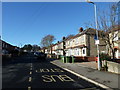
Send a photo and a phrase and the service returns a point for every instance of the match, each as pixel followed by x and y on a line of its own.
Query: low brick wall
pixel 91 58
pixel 85 59
pixel 113 67
pixel 118 61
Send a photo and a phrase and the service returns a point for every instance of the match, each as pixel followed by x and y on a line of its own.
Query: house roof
pixel 114 28
pixel 7 43
pixel 89 31
pixel 117 47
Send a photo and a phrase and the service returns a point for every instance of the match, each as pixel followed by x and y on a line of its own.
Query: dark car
pixel 40 55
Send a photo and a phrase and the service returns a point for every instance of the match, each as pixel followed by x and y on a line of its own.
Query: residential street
pixel 29 73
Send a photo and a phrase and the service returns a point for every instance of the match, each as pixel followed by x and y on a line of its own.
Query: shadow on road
pixel 27 58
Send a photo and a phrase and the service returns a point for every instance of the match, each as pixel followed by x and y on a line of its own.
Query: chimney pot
pixel 63 38
pixel 81 29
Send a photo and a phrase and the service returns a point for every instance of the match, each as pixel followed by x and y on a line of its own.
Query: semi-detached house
pixel 83 45
pixel 59 47
pixel 116 38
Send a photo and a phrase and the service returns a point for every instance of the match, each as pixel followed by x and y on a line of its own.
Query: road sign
pixel 97 42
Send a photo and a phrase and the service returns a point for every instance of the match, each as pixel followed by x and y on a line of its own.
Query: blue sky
pixel 28 22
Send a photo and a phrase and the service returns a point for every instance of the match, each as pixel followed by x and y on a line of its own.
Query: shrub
pixel 104 56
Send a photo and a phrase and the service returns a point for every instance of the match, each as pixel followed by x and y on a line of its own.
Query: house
pixel 83 45
pixel 115 34
pixel 6 47
pixel 59 48
pixel 55 49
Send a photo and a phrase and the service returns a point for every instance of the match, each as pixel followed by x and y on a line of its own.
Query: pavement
pixel 89 72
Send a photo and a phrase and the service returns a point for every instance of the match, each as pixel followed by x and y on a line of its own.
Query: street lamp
pixel 97 41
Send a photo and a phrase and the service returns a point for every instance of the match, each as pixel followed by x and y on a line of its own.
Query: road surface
pixel 29 73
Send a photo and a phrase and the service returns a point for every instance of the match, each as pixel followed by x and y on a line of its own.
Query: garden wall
pixel 113 67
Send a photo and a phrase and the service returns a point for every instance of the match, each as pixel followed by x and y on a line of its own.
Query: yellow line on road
pixel 29 88
pixel 30 79
pixel 36 71
pixel 30 72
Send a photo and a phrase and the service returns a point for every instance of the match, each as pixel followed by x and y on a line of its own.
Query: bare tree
pixel 35 48
pixel 47 40
pixel 108 22
pixel 27 47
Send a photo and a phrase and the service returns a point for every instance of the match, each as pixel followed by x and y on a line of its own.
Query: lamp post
pixel 97 41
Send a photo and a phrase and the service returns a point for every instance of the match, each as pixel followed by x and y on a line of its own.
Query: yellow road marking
pixel 30 72
pixel 52 78
pixel 29 88
pixel 30 79
pixel 36 71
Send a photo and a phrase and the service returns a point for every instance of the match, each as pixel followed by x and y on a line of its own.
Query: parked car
pixel 40 55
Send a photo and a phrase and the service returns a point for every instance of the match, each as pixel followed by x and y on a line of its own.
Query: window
pixel 76 41
pixel 3 45
pixel 118 38
pixel 83 51
pixel 68 43
pixel 6 46
pixel 78 51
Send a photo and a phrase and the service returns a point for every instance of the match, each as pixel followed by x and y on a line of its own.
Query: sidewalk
pixel 88 71
pixel 92 64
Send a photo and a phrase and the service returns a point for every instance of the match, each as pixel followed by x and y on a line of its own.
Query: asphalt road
pixel 29 73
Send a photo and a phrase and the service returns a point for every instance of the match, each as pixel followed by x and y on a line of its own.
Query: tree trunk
pixel 113 55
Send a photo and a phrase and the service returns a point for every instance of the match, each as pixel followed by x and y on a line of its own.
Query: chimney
pixel 63 38
pixel 58 42
pixel 80 30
